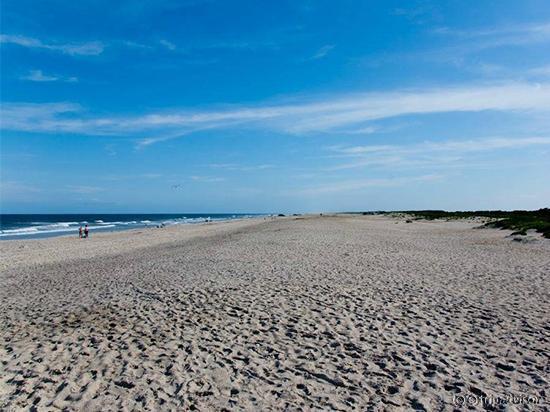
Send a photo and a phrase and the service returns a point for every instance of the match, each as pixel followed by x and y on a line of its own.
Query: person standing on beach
pixel 80 232
pixel 86 231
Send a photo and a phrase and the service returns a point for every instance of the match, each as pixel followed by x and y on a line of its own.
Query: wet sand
pixel 338 312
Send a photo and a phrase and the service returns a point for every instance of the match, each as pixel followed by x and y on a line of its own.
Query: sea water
pixel 24 226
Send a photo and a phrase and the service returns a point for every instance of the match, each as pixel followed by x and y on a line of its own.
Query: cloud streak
pixel 322 52
pixel 241 168
pixel 498 37
pixel 39 76
pixel 542 71
pixel 360 184
pixel 474 41
pixel 207 179
pixel 432 154
pixel 169 45
pixel 84 190
pixel 73 49
pixel 462 44
pixel 309 116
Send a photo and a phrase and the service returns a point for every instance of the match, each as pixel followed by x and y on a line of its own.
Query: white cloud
pixel 207 179
pixel 480 39
pixel 83 49
pixel 136 45
pixel 12 188
pixel 431 154
pixel 169 45
pixel 304 117
pixel 461 44
pixel 543 71
pixel 362 130
pixel 236 45
pixel 418 13
pixel 240 168
pixel 84 190
pixel 456 145
pixel 359 184
pixel 513 33
pixel 322 52
pixel 19 116
pixel 135 177
pixel 39 76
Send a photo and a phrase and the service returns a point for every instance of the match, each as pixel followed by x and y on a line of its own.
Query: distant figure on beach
pixel 86 231
pixel 80 232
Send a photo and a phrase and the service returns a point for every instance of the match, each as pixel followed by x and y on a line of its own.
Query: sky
pixel 274 106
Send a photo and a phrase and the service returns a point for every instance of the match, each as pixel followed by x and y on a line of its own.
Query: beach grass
pixel 518 220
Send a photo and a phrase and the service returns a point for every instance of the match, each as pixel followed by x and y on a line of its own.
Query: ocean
pixel 25 226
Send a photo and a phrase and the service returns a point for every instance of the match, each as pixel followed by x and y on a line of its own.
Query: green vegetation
pixel 518 220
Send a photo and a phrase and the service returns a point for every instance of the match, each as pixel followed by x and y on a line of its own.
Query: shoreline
pixel 51 229
pixel 109 230
pixel 67 247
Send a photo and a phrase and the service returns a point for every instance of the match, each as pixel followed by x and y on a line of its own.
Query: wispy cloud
pixel 241 168
pixel 513 33
pixel 11 187
pixel 241 45
pixel 361 130
pixel 419 13
pixel 460 45
pixel 163 136
pixel 83 49
pixel 479 39
pixel 16 116
pixel 304 117
pixel 322 52
pixel 543 71
pixel 188 49
pixel 427 154
pixel 137 45
pixel 207 179
pixel 454 145
pixel 39 76
pixel 360 184
pixel 169 45
pixel 84 190
pixel 136 177
pixel 110 149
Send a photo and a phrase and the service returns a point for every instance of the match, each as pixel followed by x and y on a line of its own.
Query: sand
pixel 333 313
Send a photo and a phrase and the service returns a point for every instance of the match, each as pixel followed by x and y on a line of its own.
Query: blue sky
pixel 257 106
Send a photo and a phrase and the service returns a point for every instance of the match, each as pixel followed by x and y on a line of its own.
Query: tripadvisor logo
pixel 491 400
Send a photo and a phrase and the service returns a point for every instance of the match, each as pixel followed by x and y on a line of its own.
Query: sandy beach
pixel 296 313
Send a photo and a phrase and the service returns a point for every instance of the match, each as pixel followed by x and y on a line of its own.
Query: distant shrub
pixel 518 220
